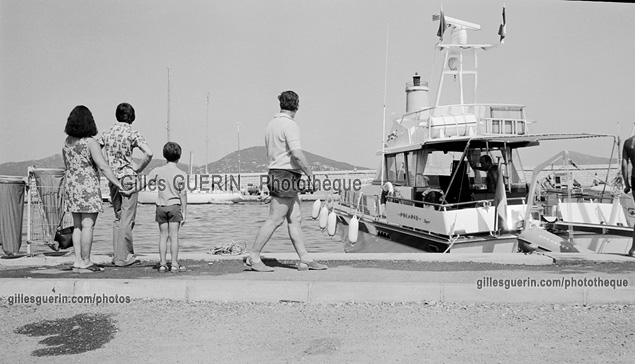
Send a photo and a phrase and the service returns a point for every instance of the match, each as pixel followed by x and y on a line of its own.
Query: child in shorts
pixel 171 208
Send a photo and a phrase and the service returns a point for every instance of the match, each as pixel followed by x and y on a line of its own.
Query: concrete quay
pixel 580 279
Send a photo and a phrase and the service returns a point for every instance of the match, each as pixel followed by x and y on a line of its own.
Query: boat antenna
pixel 207 134
pixel 383 129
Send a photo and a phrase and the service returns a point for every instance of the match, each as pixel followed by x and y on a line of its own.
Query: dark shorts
pixel 283 183
pixel 170 213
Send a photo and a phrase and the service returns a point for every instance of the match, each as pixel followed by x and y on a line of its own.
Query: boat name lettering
pixel 410 216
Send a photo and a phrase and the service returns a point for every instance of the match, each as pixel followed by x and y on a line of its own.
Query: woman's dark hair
pixel 125 113
pixel 289 100
pixel 80 123
pixel 172 151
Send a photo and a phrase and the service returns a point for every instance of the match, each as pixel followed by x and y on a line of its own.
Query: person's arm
pixel 299 157
pixel 292 136
pixel 98 158
pixel 147 157
pixel 183 196
pixel 625 159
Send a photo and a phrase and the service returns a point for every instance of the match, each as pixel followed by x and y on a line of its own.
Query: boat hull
pixel 375 237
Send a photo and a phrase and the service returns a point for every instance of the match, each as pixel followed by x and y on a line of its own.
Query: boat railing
pixel 367 204
pixel 452 206
pixel 465 120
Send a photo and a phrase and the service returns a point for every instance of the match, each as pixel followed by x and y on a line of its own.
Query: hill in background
pixel 253 159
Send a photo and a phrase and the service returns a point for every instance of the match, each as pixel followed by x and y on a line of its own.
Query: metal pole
pixel 168 122
pixel 238 129
pixel 207 135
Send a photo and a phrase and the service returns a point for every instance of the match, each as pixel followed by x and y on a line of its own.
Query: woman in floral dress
pixel 83 160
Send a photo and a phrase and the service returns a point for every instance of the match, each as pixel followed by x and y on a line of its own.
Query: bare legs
pixel 281 209
pixel 169 230
pixel 83 238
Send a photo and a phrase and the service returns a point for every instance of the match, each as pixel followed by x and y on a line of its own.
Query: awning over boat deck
pixel 458 144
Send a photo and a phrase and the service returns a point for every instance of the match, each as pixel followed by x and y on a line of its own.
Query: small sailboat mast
pixel 207 133
pixel 168 120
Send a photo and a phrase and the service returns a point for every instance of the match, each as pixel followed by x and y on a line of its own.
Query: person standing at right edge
pixel 628 155
pixel 286 164
pixel 118 143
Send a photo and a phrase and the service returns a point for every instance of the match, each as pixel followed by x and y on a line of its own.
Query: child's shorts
pixel 170 213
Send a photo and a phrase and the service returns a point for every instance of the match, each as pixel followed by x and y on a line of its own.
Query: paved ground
pixel 554 278
pixel 363 309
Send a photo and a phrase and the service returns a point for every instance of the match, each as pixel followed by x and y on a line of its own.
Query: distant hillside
pixel 252 160
pixel 585 159
pixel 56 161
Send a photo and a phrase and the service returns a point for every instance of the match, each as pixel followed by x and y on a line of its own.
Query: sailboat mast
pixel 238 130
pixel 207 133
pixel 168 121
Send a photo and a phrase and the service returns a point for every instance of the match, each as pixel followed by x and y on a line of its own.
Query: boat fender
pixel 323 216
pixel 315 211
pixel 331 223
pixel 353 229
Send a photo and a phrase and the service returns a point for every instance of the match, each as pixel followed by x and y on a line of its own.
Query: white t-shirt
pixel 282 135
pixel 169 181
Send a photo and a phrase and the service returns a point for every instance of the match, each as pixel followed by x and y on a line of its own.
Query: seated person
pixel 491 169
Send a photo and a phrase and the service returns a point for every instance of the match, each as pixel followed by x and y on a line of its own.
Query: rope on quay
pixel 231 248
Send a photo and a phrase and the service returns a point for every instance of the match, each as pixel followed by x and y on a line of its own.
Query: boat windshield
pixel 429 168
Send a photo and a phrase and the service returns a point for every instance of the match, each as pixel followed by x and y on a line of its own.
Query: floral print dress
pixel 81 179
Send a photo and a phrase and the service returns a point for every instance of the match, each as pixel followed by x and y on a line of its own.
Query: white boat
pixel 430 196
pixel 196 197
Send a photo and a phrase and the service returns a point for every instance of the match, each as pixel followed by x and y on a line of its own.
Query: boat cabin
pixel 455 171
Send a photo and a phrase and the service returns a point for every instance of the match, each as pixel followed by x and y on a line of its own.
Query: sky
pixel 569 62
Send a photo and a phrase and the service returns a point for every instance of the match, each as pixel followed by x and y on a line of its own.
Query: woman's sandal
pixel 178 268
pixel 163 268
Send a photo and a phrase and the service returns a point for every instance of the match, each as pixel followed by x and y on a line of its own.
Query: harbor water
pixel 207 226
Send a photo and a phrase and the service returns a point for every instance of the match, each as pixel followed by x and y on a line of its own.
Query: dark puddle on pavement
pixel 74 335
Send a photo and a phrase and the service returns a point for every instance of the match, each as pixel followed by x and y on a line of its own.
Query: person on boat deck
pixel 171 205
pixel 628 155
pixel 117 145
pixel 286 164
pixel 492 172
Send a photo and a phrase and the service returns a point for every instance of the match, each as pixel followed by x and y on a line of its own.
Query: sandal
pixel 163 268
pixel 311 265
pixel 90 269
pixel 178 268
pixel 256 266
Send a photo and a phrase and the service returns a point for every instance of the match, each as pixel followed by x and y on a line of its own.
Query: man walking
pixel 118 143
pixel 286 164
